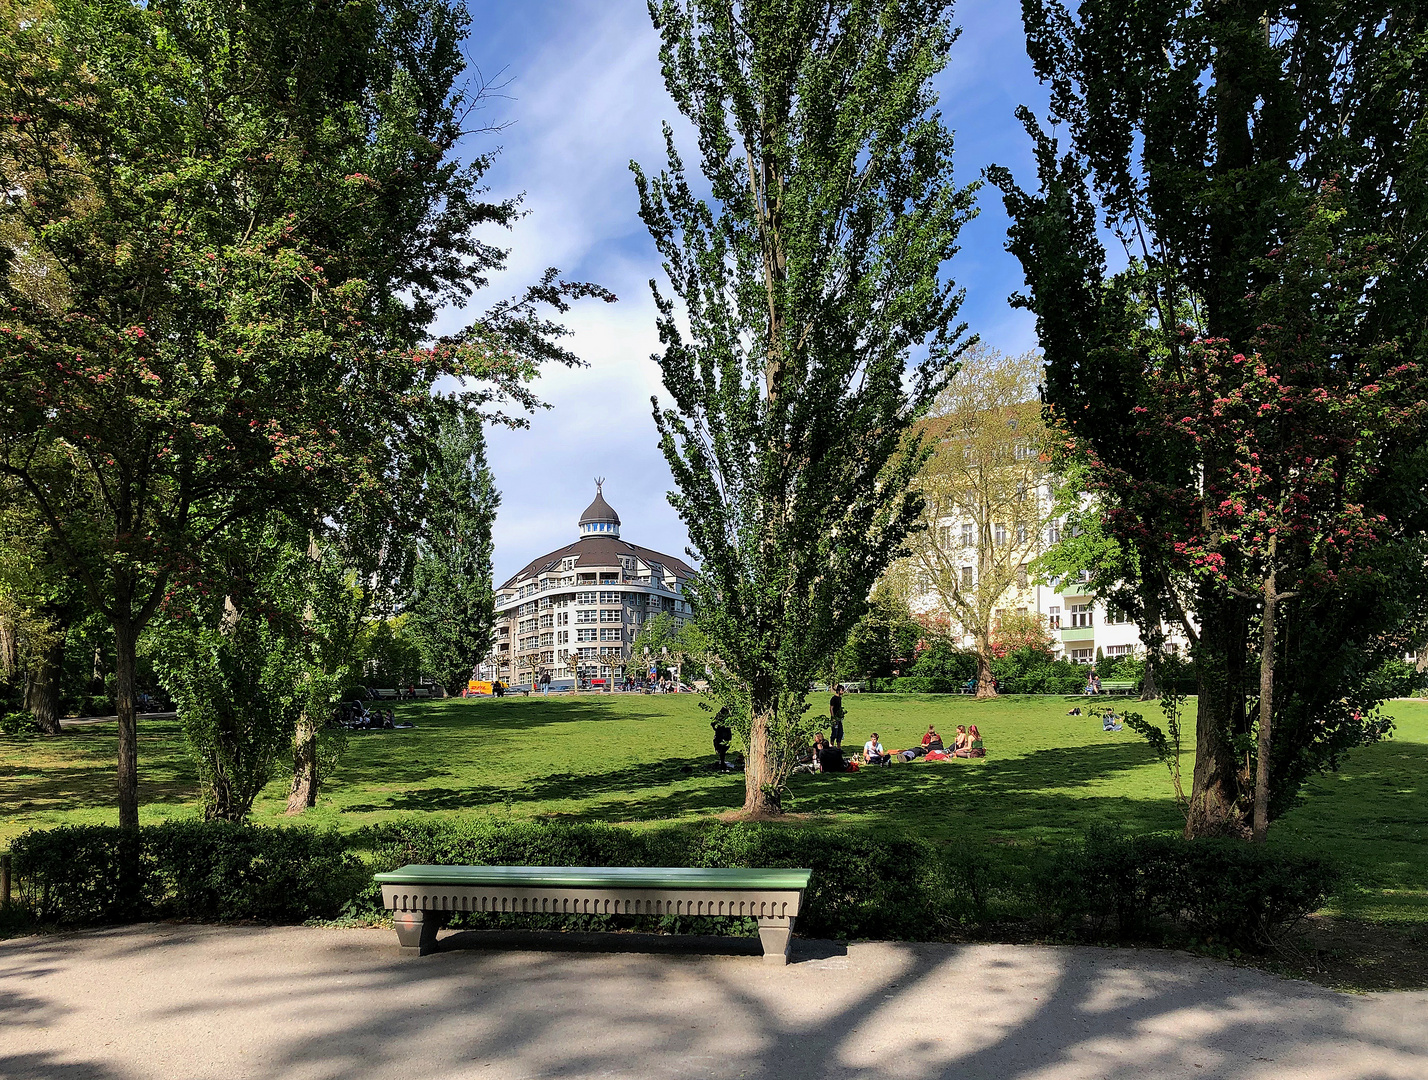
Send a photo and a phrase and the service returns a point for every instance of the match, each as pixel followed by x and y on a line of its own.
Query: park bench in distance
pixel 421 896
pixel 1118 686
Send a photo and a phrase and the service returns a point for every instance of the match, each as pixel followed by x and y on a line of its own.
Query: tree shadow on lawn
pixel 554 787
pixel 519 714
pixel 993 795
pixel 84 786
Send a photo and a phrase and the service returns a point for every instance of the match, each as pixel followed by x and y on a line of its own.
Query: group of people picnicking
pixel 827 753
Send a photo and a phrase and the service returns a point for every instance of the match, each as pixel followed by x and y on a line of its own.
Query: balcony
pixel 1078 633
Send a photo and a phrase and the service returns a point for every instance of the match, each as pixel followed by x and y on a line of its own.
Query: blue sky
pixel 582 97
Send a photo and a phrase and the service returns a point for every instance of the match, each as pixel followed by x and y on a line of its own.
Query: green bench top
pixel 584 877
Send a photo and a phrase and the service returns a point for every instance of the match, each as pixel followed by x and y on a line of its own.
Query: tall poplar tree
pixel 452 605
pixel 806 282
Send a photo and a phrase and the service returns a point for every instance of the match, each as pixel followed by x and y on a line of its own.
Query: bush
pixel 91 874
pixel 864 885
pixel 1164 888
pixel 1029 670
pixel 943 660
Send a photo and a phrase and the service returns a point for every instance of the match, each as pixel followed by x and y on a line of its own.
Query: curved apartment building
pixel 590 596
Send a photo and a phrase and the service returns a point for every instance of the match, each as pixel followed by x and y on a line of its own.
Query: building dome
pixel 599 518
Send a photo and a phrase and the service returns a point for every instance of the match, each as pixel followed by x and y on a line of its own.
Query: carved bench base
pixel 419 910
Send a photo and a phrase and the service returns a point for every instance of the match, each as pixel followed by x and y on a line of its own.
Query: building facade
pixel 1079 622
pixel 590 597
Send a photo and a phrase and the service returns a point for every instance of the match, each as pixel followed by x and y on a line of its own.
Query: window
pixel 924 584
pixel 1023 452
pixel 613 633
pixel 568 564
pixel 944 536
pixel 563 619
pixel 1083 656
pixel 1115 616
pixel 610 616
pixel 1021 576
pixel 999 534
pixel 547 639
pixel 1080 614
pixel 586 635
pixel 1120 650
pixel 1021 535
pixel 609 598
pixel 587 616
pixel 966 577
pixel 1053 617
pixel 1053 534
pixel 967 534
pixel 547 621
pixel 563 637
pixel 587 598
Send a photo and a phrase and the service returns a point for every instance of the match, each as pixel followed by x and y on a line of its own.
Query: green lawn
pixel 642 759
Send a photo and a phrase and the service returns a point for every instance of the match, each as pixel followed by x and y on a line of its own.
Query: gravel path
pixel 193 1002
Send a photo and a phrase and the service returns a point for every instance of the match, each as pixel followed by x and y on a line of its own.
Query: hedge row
pixel 1158 889
pixel 81 875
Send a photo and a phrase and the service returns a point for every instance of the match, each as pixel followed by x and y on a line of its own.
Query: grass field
pixel 642 759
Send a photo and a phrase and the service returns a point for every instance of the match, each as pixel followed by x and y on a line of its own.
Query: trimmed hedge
pixel 1165 888
pixel 865 884
pixel 92 874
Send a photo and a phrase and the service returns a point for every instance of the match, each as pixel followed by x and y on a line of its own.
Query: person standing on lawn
pixel 835 716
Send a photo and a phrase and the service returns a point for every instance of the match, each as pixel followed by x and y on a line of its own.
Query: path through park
pixel 193 1002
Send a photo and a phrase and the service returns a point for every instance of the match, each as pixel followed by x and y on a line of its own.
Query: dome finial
pixel 599 484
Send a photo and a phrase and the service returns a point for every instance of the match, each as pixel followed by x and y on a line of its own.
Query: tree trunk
pixel 986 681
pixel 42 690
pixel 1266 706
pixel 9 649
pixel 126 640
pixel 303 792
pixel 761 797
pixel 1214 794
pixel 1154 639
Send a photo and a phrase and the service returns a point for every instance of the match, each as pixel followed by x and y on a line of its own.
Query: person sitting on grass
pixel 873 752
pixel 932 740
pixel 1109 722
pixel 973 747
pixel 830 758
pixel 960 742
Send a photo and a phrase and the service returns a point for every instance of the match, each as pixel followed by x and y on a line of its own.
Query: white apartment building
pixel 1078 621
pixel 590 597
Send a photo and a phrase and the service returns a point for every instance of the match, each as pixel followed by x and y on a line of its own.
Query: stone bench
pixel 420 897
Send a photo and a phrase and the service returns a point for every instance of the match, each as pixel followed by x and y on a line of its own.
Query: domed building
pixel 590 596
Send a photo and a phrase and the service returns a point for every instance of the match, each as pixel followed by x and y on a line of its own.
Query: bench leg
pixel 416 930
pixel 774 934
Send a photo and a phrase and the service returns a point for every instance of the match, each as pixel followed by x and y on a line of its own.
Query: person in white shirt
pixel 873 752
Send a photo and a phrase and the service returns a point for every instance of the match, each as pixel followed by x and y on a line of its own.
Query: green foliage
pixel 94 874
pixel 1031 670
pixel 884 638
pixel 238 223
pixel 234 665
pixel 391 656
pixel 1244 397
pixel 1167 888
pixel 803 290
pixel 943 660
pixel 452 614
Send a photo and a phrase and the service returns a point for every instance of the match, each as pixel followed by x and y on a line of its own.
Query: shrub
pixel 89 874
pixel 1034 671
pixel 864 884
pixel 1158 887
